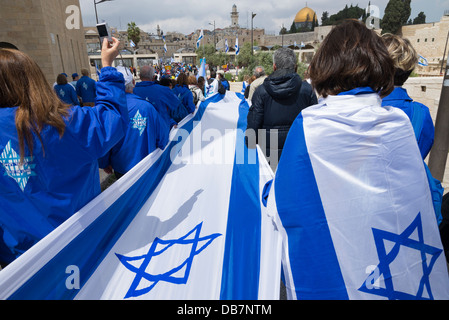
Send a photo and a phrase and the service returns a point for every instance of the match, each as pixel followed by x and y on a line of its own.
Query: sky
pixel 186 16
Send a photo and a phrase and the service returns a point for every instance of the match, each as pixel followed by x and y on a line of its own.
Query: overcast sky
pixel 186 16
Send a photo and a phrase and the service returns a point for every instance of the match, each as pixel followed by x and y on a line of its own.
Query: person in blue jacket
pixel 185 97
pixel 405 59
pixel 86 89
pixel 49 151
pixel 65 91
pixel 146 132
pixel 162 98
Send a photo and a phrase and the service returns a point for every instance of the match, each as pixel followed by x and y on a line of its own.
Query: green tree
pixel 134 33
pixel 420 19
pixel 324 18
pixel 396 15
pixel 208 51
pixel 352 12
pixel 293 28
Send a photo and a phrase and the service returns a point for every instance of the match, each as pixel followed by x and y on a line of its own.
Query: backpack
pixel 436 188
pixel 195 96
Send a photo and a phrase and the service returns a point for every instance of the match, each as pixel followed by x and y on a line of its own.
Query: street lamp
pixel 215 47
pixel 95 5
pixel 252 40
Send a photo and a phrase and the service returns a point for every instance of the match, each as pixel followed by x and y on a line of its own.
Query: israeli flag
pixel 422 61
pixel 198 42
pixel 355 207
pixel 97 69
pixel 132 44
pixel 202 69
pixel 165 44
pixel 237 48
pixel 226 46
pixel 185 223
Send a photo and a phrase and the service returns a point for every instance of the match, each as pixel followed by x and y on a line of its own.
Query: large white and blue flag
pixel 198 42
pixel 185 223
pixel 355 207
pixel 226 46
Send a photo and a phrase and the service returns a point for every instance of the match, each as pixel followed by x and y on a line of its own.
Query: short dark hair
pixel 352 56
pixel 61 79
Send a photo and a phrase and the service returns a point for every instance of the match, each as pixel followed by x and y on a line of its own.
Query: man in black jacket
pixel 276 104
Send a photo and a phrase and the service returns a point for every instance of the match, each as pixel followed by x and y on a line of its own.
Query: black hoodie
pixel 275 105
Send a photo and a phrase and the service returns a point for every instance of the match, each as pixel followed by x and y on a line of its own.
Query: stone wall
pixel 38 28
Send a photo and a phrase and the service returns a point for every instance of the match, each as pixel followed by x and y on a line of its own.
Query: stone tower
pixel 234 17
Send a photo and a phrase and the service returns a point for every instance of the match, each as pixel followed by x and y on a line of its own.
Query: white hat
pixel 127 74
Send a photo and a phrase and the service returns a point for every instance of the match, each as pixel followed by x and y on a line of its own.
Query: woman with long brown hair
pixel 49 150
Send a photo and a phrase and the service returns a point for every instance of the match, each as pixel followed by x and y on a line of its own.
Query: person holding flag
pixel 48 163
pixel 351 189
pixel 146 132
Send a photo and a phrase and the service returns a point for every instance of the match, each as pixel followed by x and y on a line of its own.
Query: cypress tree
pixel 396 15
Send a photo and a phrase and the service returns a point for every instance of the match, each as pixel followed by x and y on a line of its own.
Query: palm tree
pixel 134 33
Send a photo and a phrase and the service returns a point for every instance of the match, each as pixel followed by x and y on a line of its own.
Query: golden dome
pixel 301 16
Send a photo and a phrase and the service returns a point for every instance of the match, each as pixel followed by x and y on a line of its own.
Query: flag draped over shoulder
pixel 355 207
pixel 185 223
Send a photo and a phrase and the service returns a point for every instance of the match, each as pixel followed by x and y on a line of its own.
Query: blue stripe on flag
pixel 91 246
pixel 243 244
pixel 314 265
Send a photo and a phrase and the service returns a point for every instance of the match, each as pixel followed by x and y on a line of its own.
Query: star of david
pixel 19 172
pixel 429 256
pixel 139 122
pixel 85 86
pixel 62 93
pixel 191 240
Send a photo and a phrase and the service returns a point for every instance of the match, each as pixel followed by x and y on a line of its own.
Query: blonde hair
pixel 404 56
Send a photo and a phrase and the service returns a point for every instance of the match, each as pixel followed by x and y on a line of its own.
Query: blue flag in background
pixel 198 42
pixel 237 48
pixel 202 70
pixel 422 61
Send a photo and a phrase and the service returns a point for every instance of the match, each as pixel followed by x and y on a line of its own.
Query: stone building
pixel 430 41
pixel 50 31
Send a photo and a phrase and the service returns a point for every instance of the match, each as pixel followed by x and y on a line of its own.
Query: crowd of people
pixel 54 140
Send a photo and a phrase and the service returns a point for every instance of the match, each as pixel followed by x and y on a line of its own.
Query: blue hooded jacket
pixel 185 96
pixel 60 179
pixel 400 99
pixel 162 98
pixel 67 94
pixel 86 88
pixel 146 132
